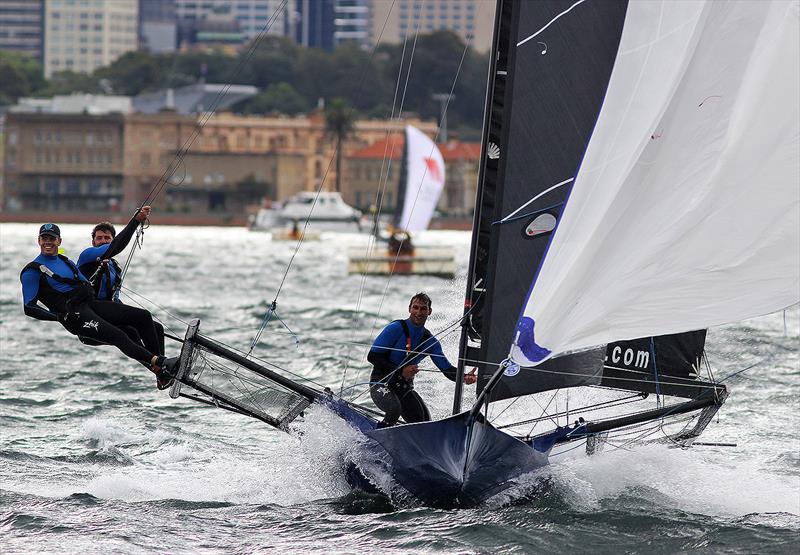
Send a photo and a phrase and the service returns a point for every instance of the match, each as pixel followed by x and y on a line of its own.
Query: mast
pixel 487 179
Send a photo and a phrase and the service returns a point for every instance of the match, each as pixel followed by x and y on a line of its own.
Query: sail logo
pixel 433 169
pixel 91 324
pixel 630 357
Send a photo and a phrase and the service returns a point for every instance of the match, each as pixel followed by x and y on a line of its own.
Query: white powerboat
pixel 325 211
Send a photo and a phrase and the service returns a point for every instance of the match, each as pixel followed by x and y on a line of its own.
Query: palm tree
pixel 339 124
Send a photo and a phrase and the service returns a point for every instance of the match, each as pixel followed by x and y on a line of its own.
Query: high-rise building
pixel 252 16
pixel 83 35
pixel 328 24
pixel 21 26
pixel 351 22
pixel 157 25
pixel 392 21
pixel 312 22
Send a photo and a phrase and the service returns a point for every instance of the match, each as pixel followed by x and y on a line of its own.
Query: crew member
pixel 55 281
pixel 395 356
pixel 98 264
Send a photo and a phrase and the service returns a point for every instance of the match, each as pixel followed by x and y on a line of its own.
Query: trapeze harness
pixel 105 272
pixel 396 381
pixel 54 300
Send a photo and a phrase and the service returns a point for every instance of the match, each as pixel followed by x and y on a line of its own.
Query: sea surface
pixel 93 459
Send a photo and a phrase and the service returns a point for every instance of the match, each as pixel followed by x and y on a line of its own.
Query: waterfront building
pixel 105 156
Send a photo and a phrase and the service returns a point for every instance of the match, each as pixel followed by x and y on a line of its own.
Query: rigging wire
pixel 425 171
pixel 178 159
pixel 321 185
pixel 380 194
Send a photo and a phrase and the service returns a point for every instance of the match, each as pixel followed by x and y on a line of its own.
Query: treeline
pixel 291 78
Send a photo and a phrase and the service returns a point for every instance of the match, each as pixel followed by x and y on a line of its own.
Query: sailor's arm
pixel 124 237
pixel 441 362
pixel 30 289
pixel 35 311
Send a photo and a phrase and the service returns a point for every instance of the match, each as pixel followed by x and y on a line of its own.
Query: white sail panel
pixel 424 180
pixel 686 210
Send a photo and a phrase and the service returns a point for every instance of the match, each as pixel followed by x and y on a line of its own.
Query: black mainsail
pixel 539 121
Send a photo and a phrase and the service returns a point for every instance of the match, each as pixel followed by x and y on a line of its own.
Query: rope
pixel 324 178
pixel 178 159
pixel 655 370
pixel 380 193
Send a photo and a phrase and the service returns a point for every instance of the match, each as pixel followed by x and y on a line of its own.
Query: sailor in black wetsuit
pixel 56 282
pixel 394 356
pixel 97 263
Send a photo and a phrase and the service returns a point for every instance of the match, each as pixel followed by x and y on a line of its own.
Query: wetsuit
pixel 69 299
pixel 399 344
pixel 108 279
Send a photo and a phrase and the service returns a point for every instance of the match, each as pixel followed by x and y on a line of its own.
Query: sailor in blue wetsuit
pixel 395 356
pixel 98 264
pixel 55 281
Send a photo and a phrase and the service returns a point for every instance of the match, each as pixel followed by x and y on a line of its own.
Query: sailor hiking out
pixel 104 272
pixel 395 356
pixel 68 298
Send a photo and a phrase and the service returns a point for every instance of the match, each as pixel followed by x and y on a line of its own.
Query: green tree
pixel 280 97
pixel 69 82
pixel 20 75
pixel 134 72
pixel 339 125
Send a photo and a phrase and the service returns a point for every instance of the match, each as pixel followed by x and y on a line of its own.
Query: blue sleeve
pixel 30 286
pixel 91 255
pixel 437 355
pixel 387 339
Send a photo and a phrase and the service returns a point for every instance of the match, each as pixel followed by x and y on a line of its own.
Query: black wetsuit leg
pixel 120 314
pixel 388 401
pixel 414 408
pixel 85 322
pixel 159 336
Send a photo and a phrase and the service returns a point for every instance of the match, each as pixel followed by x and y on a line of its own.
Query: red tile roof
pixel 392 148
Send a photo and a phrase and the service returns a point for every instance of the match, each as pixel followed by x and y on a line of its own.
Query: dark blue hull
pixel 454 462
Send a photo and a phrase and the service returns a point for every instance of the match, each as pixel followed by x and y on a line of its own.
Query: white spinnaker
pixel 686 210
pixel 424 180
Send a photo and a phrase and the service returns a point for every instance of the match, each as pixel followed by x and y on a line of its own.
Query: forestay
pixel 684 213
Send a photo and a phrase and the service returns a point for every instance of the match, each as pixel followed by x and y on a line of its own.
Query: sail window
pixel 544 223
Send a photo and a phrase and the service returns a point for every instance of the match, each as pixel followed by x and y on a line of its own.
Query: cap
pixel 50 229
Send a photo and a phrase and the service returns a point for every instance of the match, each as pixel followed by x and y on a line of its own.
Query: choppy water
pixel 94 459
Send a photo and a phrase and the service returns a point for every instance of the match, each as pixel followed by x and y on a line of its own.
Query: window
pixel 73 187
